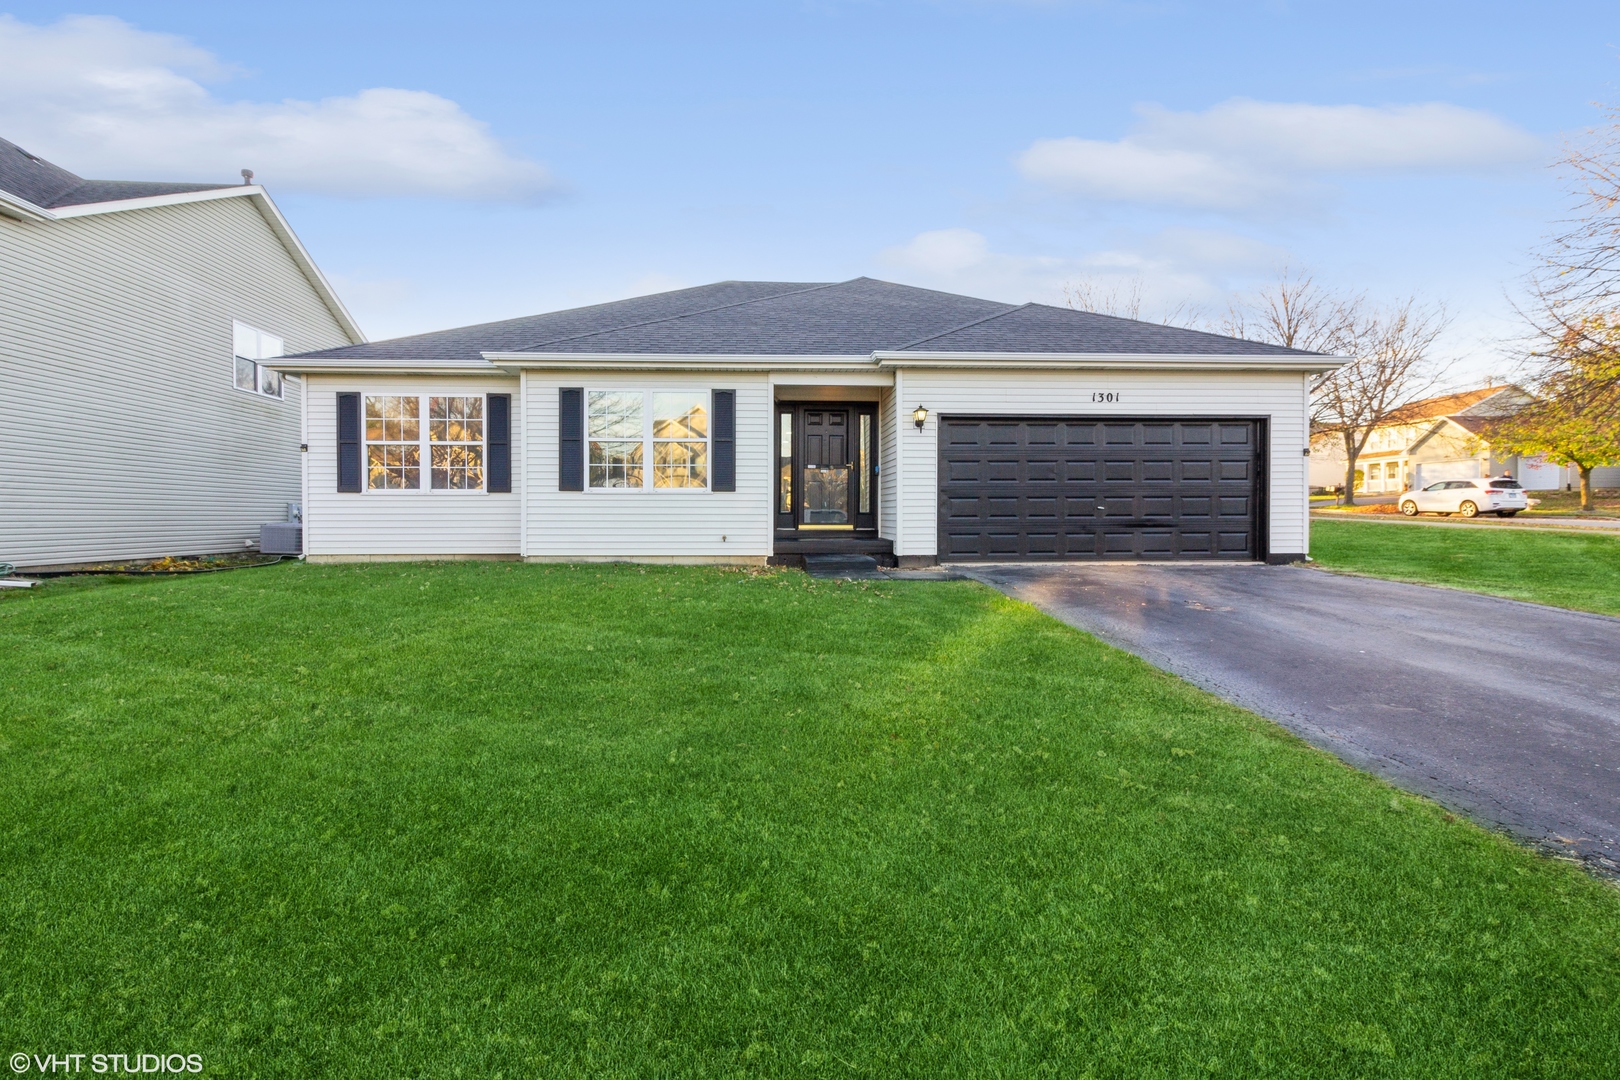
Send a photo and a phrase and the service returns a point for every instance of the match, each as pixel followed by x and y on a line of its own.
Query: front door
pixel 826 467
pixel 826 471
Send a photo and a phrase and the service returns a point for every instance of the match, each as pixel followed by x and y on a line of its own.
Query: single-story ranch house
pixel 755 421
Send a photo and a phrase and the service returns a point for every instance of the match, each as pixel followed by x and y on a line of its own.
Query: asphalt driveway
pixel 1508 712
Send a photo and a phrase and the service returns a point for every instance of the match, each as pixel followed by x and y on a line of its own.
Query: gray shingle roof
pixel 775 318
pixel 50 186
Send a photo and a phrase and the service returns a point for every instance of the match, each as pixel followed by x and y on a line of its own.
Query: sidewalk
pixel 1546 524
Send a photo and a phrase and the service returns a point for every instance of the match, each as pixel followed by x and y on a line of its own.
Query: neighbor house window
pixel 451 442
pixel 251 346
pixel 627 429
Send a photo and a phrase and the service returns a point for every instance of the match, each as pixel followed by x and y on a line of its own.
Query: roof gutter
pixel 21 209
pixel 1083 361
pixel 519 361
pixel 888 360
pixel 292 365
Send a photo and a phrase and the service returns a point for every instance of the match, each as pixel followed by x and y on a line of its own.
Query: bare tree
pixel 1390 368
pixel 1580 270
pixel 1390 365
pixel 1124 301
pixel 1090 295
pixel 1574 352
pixel 1296 313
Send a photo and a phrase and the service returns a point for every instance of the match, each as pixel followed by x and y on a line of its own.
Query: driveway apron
pixel 1506 711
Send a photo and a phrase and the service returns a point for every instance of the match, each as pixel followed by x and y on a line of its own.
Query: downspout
pixel 1305 497
pixel 304 389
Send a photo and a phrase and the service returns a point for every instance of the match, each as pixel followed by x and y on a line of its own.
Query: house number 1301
pixel 1104 397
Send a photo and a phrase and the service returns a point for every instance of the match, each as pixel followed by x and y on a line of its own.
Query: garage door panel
pixel 1117 470
pixel 1162 506
pixel 1197 542
pixel 1074 471
pixel 1197 471
pixel 1158 471
pixel 1077 489
pixel 1077 434
pixel 1039 509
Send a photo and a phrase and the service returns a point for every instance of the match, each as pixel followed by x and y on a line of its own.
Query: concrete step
pixel 842 566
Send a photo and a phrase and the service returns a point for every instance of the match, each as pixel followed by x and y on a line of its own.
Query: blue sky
pixel 458 163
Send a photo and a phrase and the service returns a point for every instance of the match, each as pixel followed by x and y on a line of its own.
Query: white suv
pixel 1499 495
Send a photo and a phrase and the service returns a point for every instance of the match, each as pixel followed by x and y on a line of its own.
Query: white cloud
pixel 1171 270
pixel 103 98
pixel 1245 153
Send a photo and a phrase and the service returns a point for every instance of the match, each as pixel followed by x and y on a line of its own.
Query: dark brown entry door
pixel 826 472
pixel 827 466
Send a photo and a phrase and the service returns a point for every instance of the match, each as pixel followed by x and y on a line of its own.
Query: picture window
pixel 398 441
pixel 629 429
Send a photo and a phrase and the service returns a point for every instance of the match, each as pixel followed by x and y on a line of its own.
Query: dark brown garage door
pixel 1037 488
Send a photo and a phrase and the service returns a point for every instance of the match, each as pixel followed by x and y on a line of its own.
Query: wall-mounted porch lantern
pixel 920 416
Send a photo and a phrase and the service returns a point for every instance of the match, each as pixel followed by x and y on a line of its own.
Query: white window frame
pixel 647 486
pixel 424 445
pixel 250 345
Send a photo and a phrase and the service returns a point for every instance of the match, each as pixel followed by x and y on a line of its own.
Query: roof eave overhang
pixel 21 209
pixel 514 362
pixel 520 361
pixel 1082 361
pixel 883 359
pixel 296 366
pixel 24 210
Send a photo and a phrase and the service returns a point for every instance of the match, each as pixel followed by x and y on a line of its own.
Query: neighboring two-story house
pixel 1441 438
pixel 134 321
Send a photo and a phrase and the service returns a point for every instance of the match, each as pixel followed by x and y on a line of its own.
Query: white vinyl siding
pixel 116 342
pixel 888 461
pixel 410 523
pixel 963 392
pixel 651 523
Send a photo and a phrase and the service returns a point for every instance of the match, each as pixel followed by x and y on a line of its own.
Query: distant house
pixel 135 322
pixel 1441 438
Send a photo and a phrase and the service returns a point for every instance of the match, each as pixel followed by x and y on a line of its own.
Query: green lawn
pixel 492 820
pixel 1569 569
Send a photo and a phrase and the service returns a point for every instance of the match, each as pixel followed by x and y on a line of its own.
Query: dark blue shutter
pixel 348 433
pixel 725 440
pixel 571 439
pixel 499 442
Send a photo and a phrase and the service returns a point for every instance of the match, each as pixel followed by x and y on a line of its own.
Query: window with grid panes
pixel 402 431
